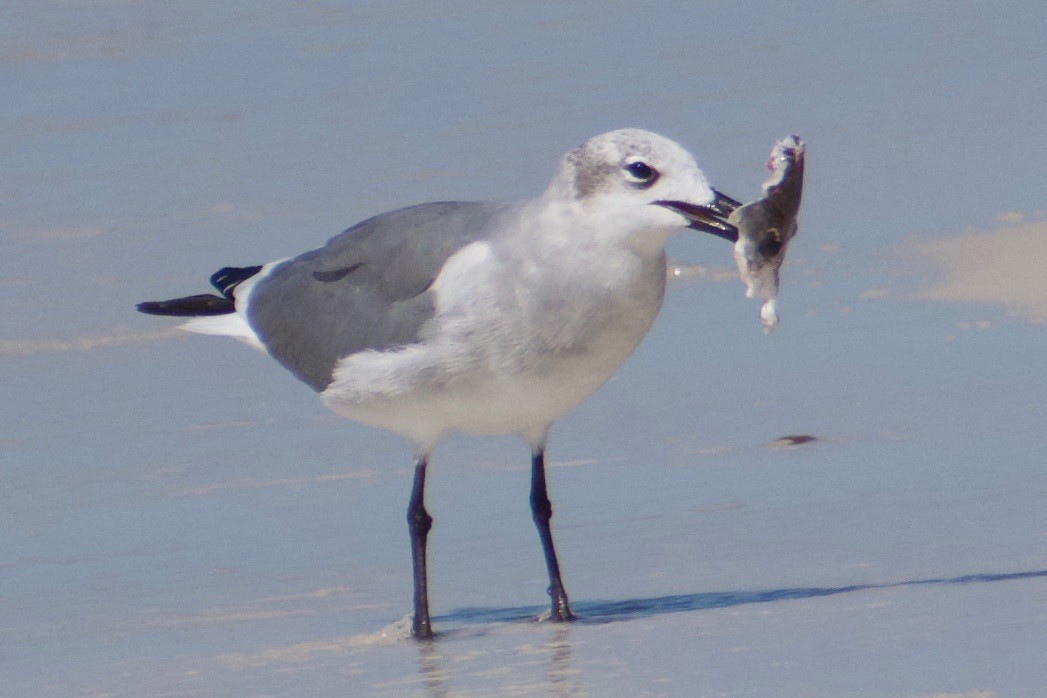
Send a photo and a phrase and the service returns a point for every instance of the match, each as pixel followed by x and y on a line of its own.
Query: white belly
pixel 512 361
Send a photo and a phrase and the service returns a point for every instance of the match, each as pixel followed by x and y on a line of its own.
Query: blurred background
pixel 180 516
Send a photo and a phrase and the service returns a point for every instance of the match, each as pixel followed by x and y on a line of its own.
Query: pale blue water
pixel 181 517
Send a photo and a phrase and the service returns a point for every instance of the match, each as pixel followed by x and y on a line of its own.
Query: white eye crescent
pixel 640 172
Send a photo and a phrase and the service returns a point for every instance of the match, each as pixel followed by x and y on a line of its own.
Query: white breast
pixel 517 341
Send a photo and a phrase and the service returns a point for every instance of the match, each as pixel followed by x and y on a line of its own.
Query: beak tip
pixel 707 219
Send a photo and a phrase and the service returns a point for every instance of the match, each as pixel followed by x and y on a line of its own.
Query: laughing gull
pixel 485 318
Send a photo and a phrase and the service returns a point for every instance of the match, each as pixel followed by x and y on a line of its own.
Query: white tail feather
pixel 231 325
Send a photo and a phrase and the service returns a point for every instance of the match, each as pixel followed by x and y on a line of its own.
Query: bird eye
pixel 641 172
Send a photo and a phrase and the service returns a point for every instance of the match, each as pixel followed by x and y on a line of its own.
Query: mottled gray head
pixel 639 178
pixel 628 161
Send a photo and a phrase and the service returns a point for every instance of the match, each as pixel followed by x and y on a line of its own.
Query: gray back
pixel 367 288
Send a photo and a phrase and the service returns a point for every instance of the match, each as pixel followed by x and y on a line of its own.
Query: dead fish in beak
pixel 766 225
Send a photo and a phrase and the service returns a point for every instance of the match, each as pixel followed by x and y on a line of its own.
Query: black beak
pixel 708 219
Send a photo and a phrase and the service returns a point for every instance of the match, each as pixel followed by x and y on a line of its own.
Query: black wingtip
pixel 227 279
pixel 190 306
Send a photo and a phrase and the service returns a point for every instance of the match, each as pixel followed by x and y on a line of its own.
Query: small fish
pixel 766 225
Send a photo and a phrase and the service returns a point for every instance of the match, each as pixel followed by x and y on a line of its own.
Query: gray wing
pixel 367 288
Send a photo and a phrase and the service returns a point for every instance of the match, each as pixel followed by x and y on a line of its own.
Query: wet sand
pixel 182 517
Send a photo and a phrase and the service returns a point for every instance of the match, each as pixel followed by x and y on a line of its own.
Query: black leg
pixel 418 523
pixel 542 509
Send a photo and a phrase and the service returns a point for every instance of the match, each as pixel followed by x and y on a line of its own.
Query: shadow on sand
pixel 612 611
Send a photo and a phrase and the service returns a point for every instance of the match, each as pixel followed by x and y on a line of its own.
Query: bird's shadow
pixel 598 612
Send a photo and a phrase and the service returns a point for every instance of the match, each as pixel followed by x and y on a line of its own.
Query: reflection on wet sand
pixel 434 677
pixel 561 676
pixel 1003 266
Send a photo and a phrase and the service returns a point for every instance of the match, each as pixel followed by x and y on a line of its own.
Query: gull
pixel 483 318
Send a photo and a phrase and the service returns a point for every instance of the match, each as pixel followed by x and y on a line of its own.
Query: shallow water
pixel 182 517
